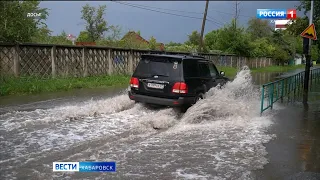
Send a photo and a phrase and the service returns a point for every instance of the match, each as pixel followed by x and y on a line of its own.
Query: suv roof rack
pixel 197 56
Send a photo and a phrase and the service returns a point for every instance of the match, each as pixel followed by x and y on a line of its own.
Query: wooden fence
pixel 45 60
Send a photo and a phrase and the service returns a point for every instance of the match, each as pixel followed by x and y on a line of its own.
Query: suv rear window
pixel 190 69
pixel 160 66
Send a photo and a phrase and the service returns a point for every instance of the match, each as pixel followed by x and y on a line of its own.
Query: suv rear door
pixel 215 74
pixel 157 75
pixel 205 74
pixel 191 76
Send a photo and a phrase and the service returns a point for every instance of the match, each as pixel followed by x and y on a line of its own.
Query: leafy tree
pixel 60 39
pixel 152 43
pixel 211 39
pixel 96 26
pixel 43 35
pixel 314 53
pixel 259 28
pixel 285 44
pixel 306 5
pixel 262 48
pixel 181 48
pixel 15 25
pixel 173 44
pixel 299 45
pixel 233 40
pixel 115 33
pixel 297 26
pixel 84 37
pixel 280 55
pixel 193 38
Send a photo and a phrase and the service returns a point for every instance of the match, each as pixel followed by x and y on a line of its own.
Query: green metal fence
pixel 278 90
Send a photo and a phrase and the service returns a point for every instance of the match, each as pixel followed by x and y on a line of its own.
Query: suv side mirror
pixel 222 73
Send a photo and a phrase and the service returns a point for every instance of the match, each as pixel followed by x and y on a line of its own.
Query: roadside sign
pixel 310 32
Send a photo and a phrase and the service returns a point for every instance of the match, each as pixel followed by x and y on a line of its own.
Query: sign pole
pixel 308 62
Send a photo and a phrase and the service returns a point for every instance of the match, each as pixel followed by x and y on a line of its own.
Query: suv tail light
pixel 134 82
pixel 180 87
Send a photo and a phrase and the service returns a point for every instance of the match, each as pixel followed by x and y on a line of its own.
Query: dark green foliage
pixel 15 25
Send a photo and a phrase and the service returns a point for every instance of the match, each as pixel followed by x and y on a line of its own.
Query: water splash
pixel 238 98
pixel 224 131
pixel 66 113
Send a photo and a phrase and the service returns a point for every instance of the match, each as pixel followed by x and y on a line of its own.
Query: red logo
pixel 291 14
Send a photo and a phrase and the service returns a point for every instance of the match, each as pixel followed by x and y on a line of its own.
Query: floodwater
pixel 52 99
pixel 295 152
pixel 220 137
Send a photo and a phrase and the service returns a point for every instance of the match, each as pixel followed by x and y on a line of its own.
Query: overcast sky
pixel 164 27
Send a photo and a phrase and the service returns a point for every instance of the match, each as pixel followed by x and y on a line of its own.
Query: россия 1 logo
pixel 276 13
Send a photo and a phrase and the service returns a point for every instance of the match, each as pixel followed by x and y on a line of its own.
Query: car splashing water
pixel 220 137
pixel 238 98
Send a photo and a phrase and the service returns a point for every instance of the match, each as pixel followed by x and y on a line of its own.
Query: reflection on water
pixel 295 153
pixel 264 77
pixel 310 130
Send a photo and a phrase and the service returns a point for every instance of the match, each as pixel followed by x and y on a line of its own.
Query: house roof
pixel 138 37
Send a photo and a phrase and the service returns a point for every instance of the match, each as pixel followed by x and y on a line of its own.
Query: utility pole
pixel 308 62
pixel 236 14
pixel 203 25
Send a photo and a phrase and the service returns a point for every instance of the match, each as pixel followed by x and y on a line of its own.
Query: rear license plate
pixel 155 86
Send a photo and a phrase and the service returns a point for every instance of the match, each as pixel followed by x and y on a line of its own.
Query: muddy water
pixel 53 99
pixel 264 77
pixel 295 152
pixel 221 137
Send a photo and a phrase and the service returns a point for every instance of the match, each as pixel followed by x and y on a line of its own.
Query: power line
pixel 174 14
pixel 230 13
pixel 237 14
pixel 192 12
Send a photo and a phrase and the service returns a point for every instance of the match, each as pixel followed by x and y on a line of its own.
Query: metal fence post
pixel 270 62
pixel 130 62
pixel 262 100
pixel 16 63
pixel 311 78
pixel 109 62
pixel 271 95
pixel 53 61
pixel 260 63
pixel 84 62
pixel 231 61
pixel 282 90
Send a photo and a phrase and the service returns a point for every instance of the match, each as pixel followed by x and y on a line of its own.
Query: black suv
pixel 173 80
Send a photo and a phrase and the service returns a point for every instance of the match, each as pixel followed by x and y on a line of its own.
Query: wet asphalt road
pixel 224 140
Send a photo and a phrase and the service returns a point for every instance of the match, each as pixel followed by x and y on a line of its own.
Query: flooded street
pixel 220 137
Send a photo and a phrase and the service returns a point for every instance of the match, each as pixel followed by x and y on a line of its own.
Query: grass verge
pixel 18 86
pixel 278 68
pixel 231 72
pixel 32 85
